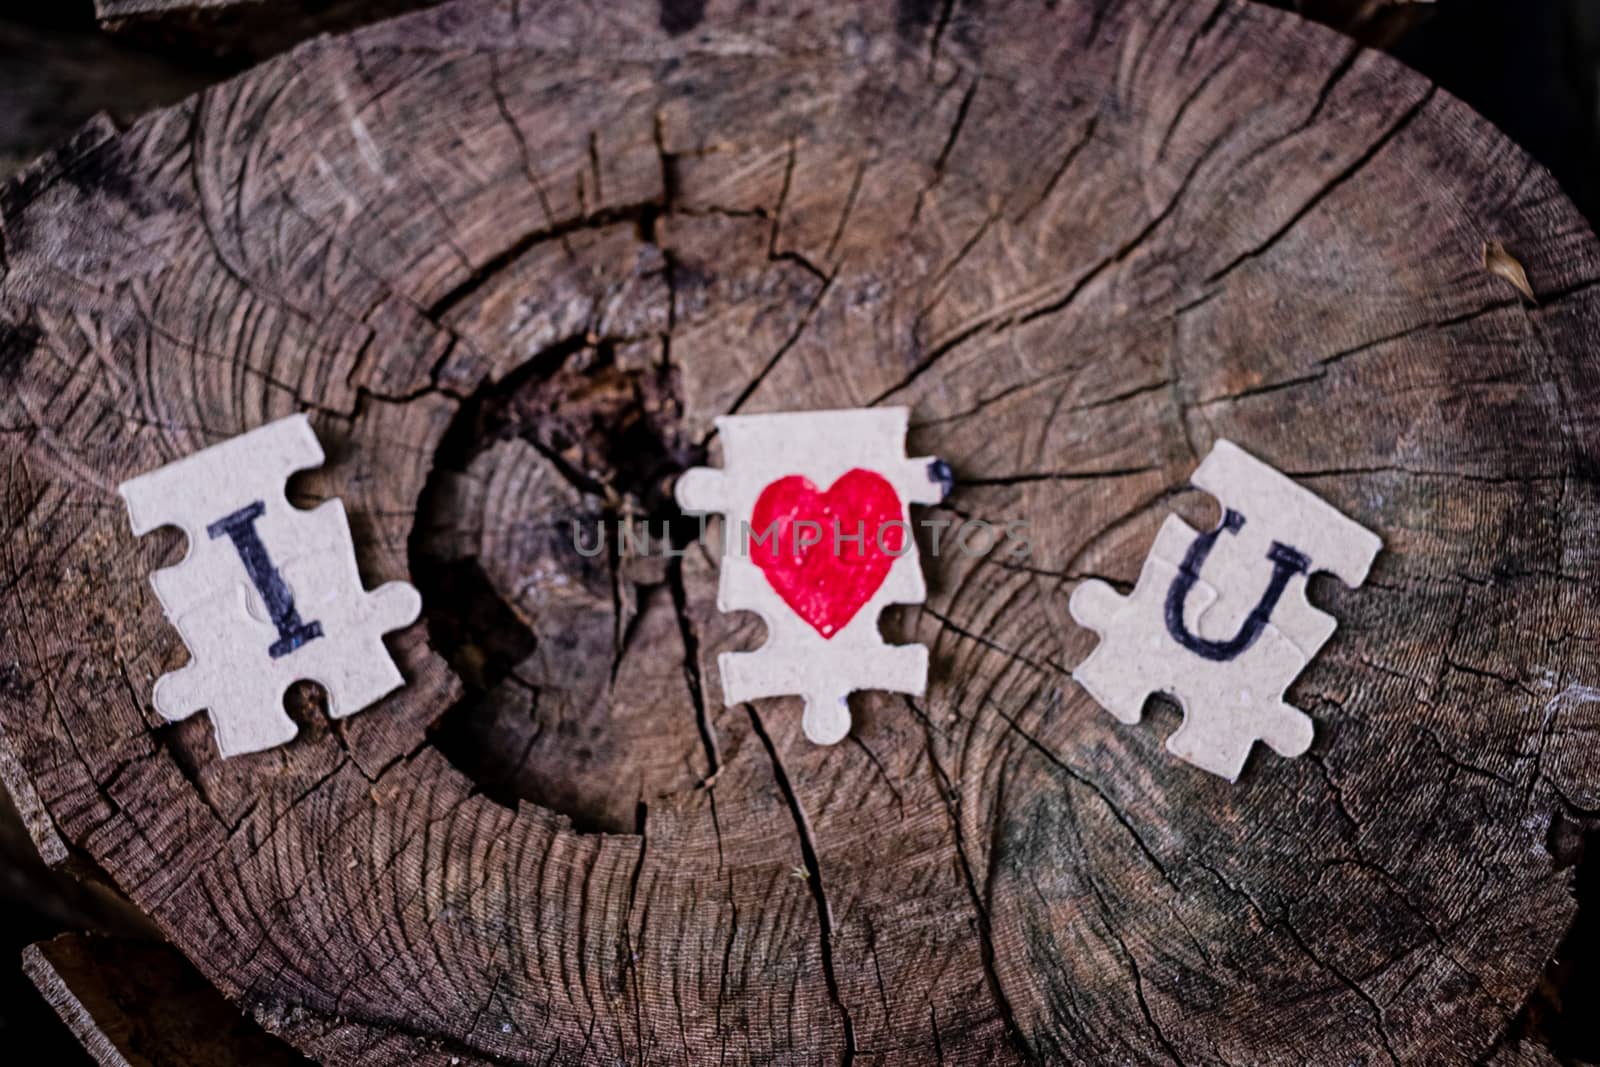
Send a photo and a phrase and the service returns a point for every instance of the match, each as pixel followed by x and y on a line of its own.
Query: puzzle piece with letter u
pixel 817 541
pixel 268 594
pixel 1220 620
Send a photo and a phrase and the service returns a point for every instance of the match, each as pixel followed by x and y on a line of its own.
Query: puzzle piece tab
pixel 1228 644
pixel 817 541
pixel 268 594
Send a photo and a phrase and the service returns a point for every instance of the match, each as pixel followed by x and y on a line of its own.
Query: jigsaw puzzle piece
pixel 1220 620
pixel 790 671
pixel 246 706
pixel 1223 718
pixel 348 660
pixel 267 595
pixel 702 491
pixel 241 476
pixel 246 699
pixel 759 449
pixel 352 665
pixel 821 615
pixel 1276 511
pixel 1279 507
pixel 1130 651
pixel 1129 644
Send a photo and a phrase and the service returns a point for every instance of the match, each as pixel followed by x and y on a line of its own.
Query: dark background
pixel 1530 66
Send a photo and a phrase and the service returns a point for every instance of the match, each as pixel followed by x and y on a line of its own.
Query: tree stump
pixel 515 259
pixel 139 1004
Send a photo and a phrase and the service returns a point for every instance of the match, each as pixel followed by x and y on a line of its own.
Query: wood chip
pixel 1496 260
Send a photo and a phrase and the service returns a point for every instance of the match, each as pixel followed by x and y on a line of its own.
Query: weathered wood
pixel 36 902
pixel 1375 22
pixel 141 1004
pixel 108 10
pixel 516 258
pixel 238 31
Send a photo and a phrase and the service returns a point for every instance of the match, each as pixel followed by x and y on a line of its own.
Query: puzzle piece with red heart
pixel 817 541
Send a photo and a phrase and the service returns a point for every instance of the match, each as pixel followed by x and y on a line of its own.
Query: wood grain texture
pixel 234 33
pixel 231 23
pixel 515 258
pixel 108 10
pixel 140 1004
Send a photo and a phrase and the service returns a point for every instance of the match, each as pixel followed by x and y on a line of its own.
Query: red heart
pixel 828 580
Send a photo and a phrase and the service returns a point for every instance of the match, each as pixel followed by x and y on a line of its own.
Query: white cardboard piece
pixel 798 657
pixel 1223 645
pixel 268 594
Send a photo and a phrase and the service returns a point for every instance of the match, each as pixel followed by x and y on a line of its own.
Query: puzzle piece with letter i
pixel 1220 621
pixel 268 594
pixel 817 541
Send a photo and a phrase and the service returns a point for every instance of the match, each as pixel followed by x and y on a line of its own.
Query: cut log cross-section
pixel 515 258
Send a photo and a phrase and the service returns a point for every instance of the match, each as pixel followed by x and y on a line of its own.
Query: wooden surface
pixel 235 32
pixel 516 259
pixel 139 1004
pixel 111 10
